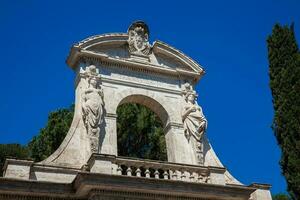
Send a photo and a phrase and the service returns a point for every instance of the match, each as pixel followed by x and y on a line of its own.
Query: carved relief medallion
pixel 138 42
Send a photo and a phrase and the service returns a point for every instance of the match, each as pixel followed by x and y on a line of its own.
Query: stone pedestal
pixel 108 135
pixel 262 192
pixel 177 145
pixel 217 175
pixel 102 164
pixel 17 168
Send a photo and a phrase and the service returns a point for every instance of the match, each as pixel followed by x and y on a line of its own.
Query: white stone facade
pixel 113 69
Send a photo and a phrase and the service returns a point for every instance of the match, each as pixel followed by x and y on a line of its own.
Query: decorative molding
pixel 170 125
pixel 83 49
pixel 28 197
pixel 137 77
pixel 17 162
pixel 104 59
pixel 111 115
pixel 260 186
pixel 151 186
pixel 132 84
pixel 111 194
pixel 122 38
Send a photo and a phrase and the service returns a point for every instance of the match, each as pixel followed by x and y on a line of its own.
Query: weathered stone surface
pixel 262 192
pixel 17 168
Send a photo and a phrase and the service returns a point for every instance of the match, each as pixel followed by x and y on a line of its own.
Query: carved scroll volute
pixel 92 105
pixel 194 121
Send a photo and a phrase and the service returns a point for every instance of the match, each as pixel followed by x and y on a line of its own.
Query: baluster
pixel 156 174
pixel 129 171
pixel 174 175
pixel 166 175
pixel 138 172
pixel 207 179
pixel 183 176
pixel 119 170
pixel 178 175
pixel 147 173
pixel 188 175
pixel 192 177
pixel 200 178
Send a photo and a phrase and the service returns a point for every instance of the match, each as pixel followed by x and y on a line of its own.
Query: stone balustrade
pixel 161 170
pixel 100 163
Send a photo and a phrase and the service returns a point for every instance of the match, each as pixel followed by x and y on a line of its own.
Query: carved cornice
pixel 28 197
pixel 111 115
pixel 120 185
pixel 82 50
pixel 104 59
pixel 27 188
pixel 260 186
pixel 101 39
pixel 165 48
pixel 88 184
pixel 140 85
pixel 99 194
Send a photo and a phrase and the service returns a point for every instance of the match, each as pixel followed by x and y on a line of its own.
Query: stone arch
pixel 152 104
pixel 144 97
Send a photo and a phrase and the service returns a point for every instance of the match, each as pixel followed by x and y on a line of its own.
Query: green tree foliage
pixel 280 197
pixel 12 151
pixel 52 135
pixel 140 133
pixel 284 71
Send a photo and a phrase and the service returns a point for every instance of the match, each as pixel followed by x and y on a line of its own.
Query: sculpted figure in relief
pixel 138 39
pixel 92 106
pixel 194 122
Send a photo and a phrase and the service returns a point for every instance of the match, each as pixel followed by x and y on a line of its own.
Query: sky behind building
pixel 228 38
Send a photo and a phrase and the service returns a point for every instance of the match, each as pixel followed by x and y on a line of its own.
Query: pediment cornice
pixel 176 64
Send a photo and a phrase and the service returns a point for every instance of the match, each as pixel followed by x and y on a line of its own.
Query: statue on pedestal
pixel 92 106
pixel 194 122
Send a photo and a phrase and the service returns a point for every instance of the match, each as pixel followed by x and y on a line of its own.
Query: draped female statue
pixel 92 107
pixel 194 123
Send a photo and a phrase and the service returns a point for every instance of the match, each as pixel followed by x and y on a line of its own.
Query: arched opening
pixel 140 130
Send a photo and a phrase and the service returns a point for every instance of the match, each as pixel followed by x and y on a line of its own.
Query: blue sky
pixel 228 38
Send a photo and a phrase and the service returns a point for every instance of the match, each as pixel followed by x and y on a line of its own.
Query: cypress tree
pixel 284 72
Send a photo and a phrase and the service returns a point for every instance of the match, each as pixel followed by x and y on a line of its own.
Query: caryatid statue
pixel 92 106
pixel 194 122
